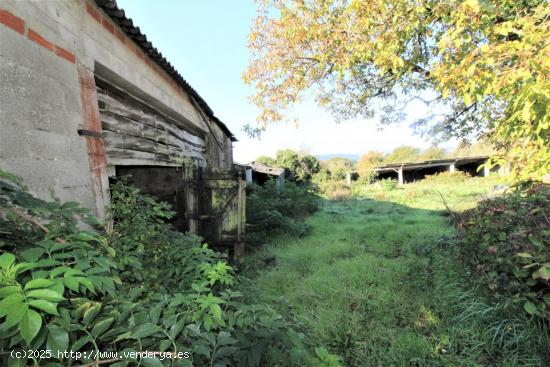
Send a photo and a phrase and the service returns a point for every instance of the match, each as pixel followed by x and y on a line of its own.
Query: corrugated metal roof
pixel 111 8
pixel 432 163
pixel 264 168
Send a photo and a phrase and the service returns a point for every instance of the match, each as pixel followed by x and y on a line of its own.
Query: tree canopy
pixel 485 63
pixel 300 166
pixel 338 167
pixel 403 154
pixel 370 160
pixel 432 153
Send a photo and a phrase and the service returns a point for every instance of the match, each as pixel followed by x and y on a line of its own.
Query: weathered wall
pixel 40 111
pixel 46 49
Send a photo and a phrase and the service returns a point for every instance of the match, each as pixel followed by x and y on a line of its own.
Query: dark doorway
pixel 165 184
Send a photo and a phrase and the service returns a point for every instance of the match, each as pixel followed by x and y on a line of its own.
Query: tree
pixel 266 160
pixel 300 166
pixel 338 167
pixel 432 153
pixel 403 154
pixel 486 62
pixel 479 148
pixel 370 160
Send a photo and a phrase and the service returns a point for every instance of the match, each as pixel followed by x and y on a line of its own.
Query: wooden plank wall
pixel 136 135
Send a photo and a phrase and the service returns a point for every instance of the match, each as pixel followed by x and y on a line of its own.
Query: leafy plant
pixel 139 286
pixel 506 242
pixel 271 209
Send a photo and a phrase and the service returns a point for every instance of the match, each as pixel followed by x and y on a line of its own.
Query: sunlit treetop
pixel 484 62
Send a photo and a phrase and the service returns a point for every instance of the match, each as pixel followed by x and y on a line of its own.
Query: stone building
pixel 84 97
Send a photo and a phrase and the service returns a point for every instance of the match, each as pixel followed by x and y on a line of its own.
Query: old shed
pixel 85 97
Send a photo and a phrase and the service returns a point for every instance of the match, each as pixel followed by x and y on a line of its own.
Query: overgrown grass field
pixel 375 283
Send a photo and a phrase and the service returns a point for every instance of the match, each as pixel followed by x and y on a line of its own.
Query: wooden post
pixel 400 176
pixel 239 247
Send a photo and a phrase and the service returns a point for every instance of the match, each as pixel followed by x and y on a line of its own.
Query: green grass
pixel 375 284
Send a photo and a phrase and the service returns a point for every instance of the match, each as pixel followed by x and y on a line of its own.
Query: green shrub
pixel 387 184
pixel 271 209
pixel 444 178
pixel 140 286
pixel 506 242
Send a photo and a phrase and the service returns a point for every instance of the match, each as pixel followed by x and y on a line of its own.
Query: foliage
pixel 387 184
pixel 299 167
pixel 141 286
pixel 484 62
pixel 403 154
pixel 433 153
pixel 479 148
pixel 376 282
pixel 506 242
pixel 447 178
pixel 271 209
pixel 337 167
pixel 368 161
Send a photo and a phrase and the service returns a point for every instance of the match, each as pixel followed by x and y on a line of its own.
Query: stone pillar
pixel 248 175
pixel 400 176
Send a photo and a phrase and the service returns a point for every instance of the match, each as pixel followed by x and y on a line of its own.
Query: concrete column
pixel 348 178
pixel 400 176
pixel 248 175
pixel 486 171
pixel 452 168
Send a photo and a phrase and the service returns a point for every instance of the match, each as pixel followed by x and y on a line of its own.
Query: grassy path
pixel 373 282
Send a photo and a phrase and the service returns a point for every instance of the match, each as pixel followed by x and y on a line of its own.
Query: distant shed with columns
pixel 259 173
pixel 413 171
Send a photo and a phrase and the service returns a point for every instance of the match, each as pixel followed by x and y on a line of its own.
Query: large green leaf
pixel 91 313
pixel 10 289
pixel 144 330
pixel 11 303
pixel 39 283
pixel 30 325
pixel 58 338
pixel 100 327
pixel 45 306
pixel 6 260
pixel 530 308
pixel 45 294
pixel 15 314
pixel 543 272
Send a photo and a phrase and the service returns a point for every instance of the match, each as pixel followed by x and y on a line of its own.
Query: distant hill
pixel 324 157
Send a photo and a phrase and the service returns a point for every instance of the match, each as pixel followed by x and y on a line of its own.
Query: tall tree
pixel 403 154
pixel 432 153
pixel 370 160
pixel 338 167
pixel 299 166
pixel 487 62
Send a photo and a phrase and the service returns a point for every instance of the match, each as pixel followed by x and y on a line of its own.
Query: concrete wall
pixel 40 112
pixel 47 48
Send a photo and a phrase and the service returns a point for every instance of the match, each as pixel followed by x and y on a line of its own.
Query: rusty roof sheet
pixel 264 168
pixel 111 8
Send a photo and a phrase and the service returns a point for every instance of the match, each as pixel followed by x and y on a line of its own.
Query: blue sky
pixel 206 42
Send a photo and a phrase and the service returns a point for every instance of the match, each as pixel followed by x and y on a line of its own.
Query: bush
pixel 140 286
pixel 444 178
pixel 506 242
pixel 271 209
pixel 387 184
